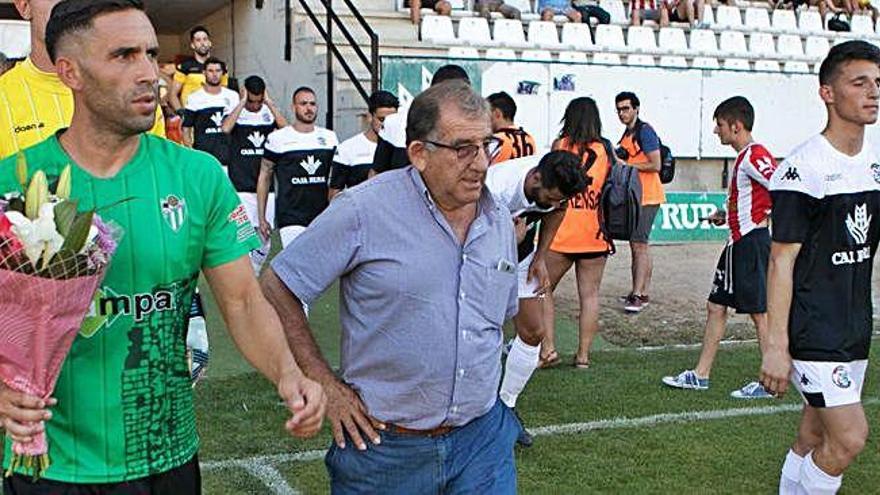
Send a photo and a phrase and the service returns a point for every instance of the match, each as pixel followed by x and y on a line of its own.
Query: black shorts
pixel 741 275
pixel 182 480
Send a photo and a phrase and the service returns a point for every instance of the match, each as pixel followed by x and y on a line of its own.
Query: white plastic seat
pixel 579 57
pixel 784 21
pixel 817 47
pixel 509 32
pixel 673 61
pixel 705 63
pixel 733 43
pixel 728 17
pixel 790 46
pixel 543 34
pixel 703 42
pixel 524 6
pixel 640 59
pixel 641 39
pixel 736 64
pixel 757 18
pixel 796 67
pixel 672 40
pixel 767 66
pixel 577 36
pixel 810 22
pixel 708 14
pixel 616 10
pixel 861 24
pixel 606 58
pixel 463 52
pixel 762 44
pixel 537 55
pixel 610 36
pixel 438 28
pixel 500 54
pixel 474 31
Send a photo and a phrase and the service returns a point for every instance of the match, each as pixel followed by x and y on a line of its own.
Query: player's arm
pixel 776 361
pixel 174 93
pixel 547 231
pixel 280 121
pixel 187 134
pixel 264 181
pixel 256 330
pixel 230 120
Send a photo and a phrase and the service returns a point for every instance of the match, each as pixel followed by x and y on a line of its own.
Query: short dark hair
pixel 382 99
pixel 302 89
pixel 628 95
pixel 423 118
pixel 845 52
pixel 255 85
pixel 215 61
pixel 562 169
pixel 504 103
pixel 196 30
pixel 449 73
pixel 70 16
pixel 736 109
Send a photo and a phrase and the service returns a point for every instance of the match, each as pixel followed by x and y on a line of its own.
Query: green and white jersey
pixel 125 405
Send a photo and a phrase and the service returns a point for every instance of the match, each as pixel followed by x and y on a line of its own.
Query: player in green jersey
pixel 124 421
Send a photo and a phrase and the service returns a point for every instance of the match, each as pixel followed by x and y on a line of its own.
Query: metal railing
pixel 326 31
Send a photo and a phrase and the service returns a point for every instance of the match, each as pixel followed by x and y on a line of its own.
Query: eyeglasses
pixel 623 109
pixel 468 152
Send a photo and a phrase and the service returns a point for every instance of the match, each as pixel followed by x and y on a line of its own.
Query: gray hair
pixel 423 117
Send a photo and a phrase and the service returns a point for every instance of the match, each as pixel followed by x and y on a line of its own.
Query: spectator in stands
pixel 591 9
pixel 649 10
pixel 441 7
pixel 822 5
pixel 190 74
pixel 551 8
pixel 515 141
pixel 864 7
pixel 5 63
pixel 640 147
pixel 689 11
pixel 486 7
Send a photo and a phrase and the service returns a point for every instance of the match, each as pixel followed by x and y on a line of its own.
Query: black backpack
pixel 620 203
pixel 836 23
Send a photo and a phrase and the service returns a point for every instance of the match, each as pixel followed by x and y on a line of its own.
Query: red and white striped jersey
pixel 748 202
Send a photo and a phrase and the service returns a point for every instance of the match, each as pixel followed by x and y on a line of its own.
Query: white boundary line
pixel 264 467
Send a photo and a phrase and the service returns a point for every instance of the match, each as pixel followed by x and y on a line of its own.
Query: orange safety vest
pixel 652 188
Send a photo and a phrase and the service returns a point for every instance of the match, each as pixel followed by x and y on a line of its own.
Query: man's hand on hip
pixel 347 413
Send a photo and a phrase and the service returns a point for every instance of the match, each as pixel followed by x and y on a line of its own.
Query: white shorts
pixel 525 288
pixel 829 384
pixel 249 200
pixel 289 233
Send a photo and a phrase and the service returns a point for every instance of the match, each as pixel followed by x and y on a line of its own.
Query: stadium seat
pixel 810 22
pixel 610 36
pixel 817 47
pixel 861 24
pixel 705 63
pixel 509 32
pixel 474 31
pixel 524 6
pixel 616 10
pixel 708 14
pixel 784 21
pixel 580 57
pixel 703 42
pixel 767 65
pixel 577 36
pixel 537 55
pixel 796 67
pixel 672 40
pixel 501 54
pixel 790 46
pixel 757 18
pixel 438 29
pixel 762 44
pixel 733 43
pixel 463 52
pixel 606 58
pixel 673 61
pixel 641 39
pixel 15 38
pixel 640 59
pixel 728 17
pixel 736 64
pixel 543 34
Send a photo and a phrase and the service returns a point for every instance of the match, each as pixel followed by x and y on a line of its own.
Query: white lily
pixel 38 236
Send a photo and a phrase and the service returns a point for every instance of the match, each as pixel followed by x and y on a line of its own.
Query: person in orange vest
pixel 639 147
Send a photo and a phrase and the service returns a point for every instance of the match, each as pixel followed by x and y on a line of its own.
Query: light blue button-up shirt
pixel 421 313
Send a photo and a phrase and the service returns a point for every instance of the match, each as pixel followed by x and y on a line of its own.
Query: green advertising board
pixel 679 218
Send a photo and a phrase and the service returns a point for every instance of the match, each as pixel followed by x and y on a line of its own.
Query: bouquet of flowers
pixel 52 259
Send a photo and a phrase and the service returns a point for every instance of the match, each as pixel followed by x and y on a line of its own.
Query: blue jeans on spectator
pixel 602 16
pixel 476 458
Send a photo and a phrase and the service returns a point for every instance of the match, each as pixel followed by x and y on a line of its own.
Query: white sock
pixel 522 361
pixel 814 481
pixel 790 481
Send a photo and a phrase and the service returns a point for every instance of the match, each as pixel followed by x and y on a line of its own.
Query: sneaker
pixel 525 438
pixel 752 390
pixel 687 379
pixel 625 298
pixel 636 303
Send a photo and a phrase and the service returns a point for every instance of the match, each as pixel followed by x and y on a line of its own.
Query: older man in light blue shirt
pixel 427 266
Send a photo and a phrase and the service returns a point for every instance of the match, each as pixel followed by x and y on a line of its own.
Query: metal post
pixel 330 91
pixel 374 61
pixel 725 175
pixel 287 31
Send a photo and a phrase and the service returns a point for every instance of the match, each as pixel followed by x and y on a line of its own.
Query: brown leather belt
pixel 433 432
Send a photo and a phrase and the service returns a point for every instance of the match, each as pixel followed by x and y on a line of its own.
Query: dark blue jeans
pixel 476 458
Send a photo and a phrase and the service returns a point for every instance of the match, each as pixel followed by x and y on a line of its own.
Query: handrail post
pixel 330 91
pixel 374 61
